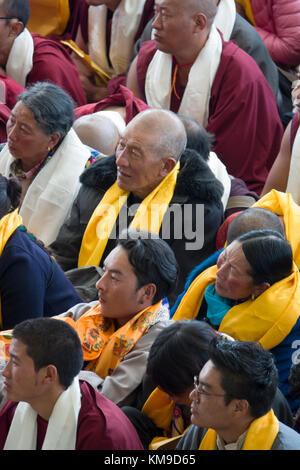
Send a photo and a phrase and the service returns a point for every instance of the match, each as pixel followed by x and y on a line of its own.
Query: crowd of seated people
pixel 149 232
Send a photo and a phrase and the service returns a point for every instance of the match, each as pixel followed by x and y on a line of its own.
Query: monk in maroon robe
pixel 97 93
pixel 29 58
pixel 56 409
pixel 243 114
pixel 101 424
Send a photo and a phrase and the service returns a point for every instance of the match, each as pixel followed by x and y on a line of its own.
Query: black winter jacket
pixel 196 204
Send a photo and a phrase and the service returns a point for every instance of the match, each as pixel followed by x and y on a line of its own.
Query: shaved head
pixel 254 218
pixel 97 132
pixel 167 129
pixel 206 7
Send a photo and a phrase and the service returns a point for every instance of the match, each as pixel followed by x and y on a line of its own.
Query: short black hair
pixel 247 371
pixel 19 9
pixel 50 341
pixel 152 259
pixel 178 354
pixel 197 136
pixel 294 378
pixel 10 195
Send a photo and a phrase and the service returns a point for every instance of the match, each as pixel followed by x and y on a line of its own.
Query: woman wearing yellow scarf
pixel 252 294
pixel 232 402
pixel 31 283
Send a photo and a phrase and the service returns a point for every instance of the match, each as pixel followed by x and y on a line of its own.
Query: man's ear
pixel 15 27
pixel 200 21
pixel 50 374
pixel 168 164
pixel 149 291
pixel 240 406
pixel 260 288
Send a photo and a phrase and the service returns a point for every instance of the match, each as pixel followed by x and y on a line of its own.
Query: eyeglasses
pixel 202 392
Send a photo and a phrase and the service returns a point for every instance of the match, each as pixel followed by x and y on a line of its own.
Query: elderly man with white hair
pixel 150 183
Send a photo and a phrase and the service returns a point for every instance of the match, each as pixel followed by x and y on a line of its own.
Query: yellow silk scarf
pixel 103 345
pixel 283 205
pixel 191 302
pixel 246 4
pixel 260 436
pixel 8 224
pixel 100 76
pixel 268 319
pixel 48 16
pixel 148 217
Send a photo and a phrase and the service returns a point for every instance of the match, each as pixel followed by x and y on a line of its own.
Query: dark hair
pixel 152 259
pixel 51 106
pixel 178 354
pixel 254 218
pixel 197 137
pixel 247 371
pixel 10 195
pixel 294 379
pixel 269 255
pixel 50 341
pixel 17 9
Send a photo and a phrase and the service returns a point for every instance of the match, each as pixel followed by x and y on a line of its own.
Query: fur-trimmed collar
pixel 195 179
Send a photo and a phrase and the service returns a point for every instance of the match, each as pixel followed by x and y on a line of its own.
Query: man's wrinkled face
pixel 139 169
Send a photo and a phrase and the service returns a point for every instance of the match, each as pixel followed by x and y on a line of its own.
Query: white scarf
pixel 50 196
pixel 125 23
pixel 62 425
pixel 293 186
pixel 195 100
pixel 219 170
pixel 20 58
pixel 225 17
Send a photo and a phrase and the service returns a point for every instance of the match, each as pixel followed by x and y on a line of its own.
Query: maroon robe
pixel 9 93
pixel 123 97
pixel 52 63
pixel 12 90
pixel 4 115
pixel 101 424
pixel 243 114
